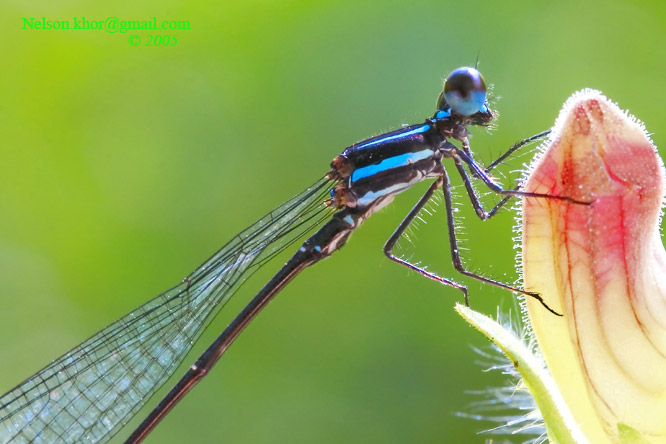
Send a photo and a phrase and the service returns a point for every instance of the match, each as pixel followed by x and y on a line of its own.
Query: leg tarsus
pixel 514 148
pixel 460 155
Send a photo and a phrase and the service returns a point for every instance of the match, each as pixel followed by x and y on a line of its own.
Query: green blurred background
pixel 122 168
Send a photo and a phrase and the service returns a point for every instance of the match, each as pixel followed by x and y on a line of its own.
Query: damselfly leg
pixel 481 213
pixel 515 147
pixel 444 182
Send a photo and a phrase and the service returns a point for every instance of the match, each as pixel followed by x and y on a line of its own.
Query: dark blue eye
pixel 464 92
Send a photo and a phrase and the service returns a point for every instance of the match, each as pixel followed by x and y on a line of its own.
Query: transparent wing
pixel 88 394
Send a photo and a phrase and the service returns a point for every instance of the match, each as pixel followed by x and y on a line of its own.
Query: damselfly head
pixel 464 93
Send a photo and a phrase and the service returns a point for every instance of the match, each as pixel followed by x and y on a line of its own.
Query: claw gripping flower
pixel 603 266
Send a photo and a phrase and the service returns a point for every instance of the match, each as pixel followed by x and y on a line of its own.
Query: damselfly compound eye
pixel 464 92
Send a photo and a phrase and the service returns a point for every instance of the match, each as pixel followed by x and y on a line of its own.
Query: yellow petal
pixel 603 266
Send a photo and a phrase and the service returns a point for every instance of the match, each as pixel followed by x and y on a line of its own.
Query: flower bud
pixel 603 266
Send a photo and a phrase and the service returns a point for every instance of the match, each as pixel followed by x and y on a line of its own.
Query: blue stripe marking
pixel 372 196
pixel 391 162
pixel 419 130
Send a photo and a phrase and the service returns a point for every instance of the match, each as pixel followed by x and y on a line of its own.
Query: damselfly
pixel 88 394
